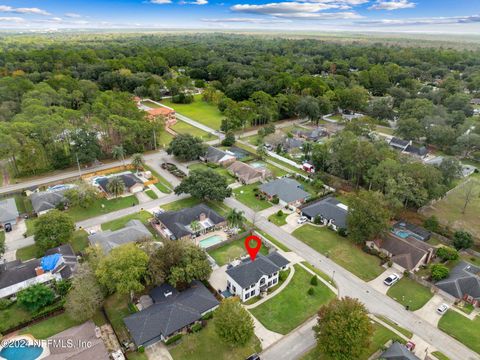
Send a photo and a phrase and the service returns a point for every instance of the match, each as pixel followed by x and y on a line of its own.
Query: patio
pixel 218 236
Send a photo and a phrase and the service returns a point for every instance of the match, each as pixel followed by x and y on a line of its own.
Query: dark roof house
pixel 289 191
pixel 329 209
pixel 8 211
pixel 463 282
pixel 398 351
pixel 129 179
pixel 399 143
pixel 217 156
pixel 171 312
pixel 176 224
pixel 416 151
pixel 133 231
pixel 47 200
pixel 249 272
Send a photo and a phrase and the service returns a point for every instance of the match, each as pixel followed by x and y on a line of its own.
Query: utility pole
pixel 154 139
pixel 78 164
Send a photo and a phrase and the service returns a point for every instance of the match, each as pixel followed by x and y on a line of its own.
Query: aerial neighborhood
pixel 202 196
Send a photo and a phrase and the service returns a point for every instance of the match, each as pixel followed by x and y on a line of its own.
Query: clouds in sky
pixel 36 11
pixel 392 5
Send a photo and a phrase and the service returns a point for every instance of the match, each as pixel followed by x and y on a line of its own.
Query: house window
pixel 252 293
pixel 274 281
pixel 269 283
pixel 247 296
pixel 233 288
pixel 262 281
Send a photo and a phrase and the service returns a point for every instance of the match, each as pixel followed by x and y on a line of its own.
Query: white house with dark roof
pixel 289 192
pixel 8 212
pixel 217 156
pixel 251 278
pixel 463 282
pixel 331 212
pixel 133 231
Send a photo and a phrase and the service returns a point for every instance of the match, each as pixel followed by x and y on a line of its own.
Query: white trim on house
pixel 263 284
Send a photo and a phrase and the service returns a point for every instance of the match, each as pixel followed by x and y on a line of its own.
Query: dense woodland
pixel 63 96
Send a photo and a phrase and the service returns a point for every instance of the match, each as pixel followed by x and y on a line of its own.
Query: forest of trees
pixel 63 96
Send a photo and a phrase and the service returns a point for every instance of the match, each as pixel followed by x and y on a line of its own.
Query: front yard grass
pixel 116 224
pixel 78 213
pixel 220 170
pixel 199 110
pixel 410 293
pixel 28 252
pixel 181 127
pixel 12 316
pixel 151 194
pixel 50 326
pixel 293 306
pixel 246 195
pixel 273 240
pixel 206 345
pixel 24 205
pixel 180 204
pixel 404 331
pixel 2 236
pixel 319 273
pixel 116 307
pixel 440 356
pixel 277 219
pixel 231 251
pixel 461 328
pixel 341 250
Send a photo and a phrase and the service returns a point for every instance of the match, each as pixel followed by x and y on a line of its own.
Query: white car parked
pixel 442 309
pixel 302 220
pixel 392 279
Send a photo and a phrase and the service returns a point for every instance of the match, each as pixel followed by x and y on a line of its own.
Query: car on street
pixel 392 279
pixel 302 220
pixel 253 357
pixel 442 309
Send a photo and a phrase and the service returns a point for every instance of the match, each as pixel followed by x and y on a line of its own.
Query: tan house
pixel 409 253
pixel 247 174
pixel 168 115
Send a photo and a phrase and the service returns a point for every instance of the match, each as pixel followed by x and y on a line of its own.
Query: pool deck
pixel 220 233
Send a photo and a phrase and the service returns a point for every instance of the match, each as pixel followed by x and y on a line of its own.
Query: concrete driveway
pixel 429 311
pixel 378 284
pixel 266 337
pixel 158 351
pixel 291 224
pixel 218 278
pixel 17 232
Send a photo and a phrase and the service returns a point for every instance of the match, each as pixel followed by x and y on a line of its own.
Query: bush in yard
pixel 342 232
pixel 390 263
pixel 229 139
pixel 279 213
pixel 35 297
pixel 173 339
pixel 62 287
pixel 282 276
pixel 317 220
pixel 311 291
pixel 275 200
pixel 447 253
pixel 431 224
pixel 196 327
pixel 462 240
pixel 5 303
pixel 141 349
pixel 233 322
pixel 53 229
pixel 314 280
pixel 439 272
pixel 208 316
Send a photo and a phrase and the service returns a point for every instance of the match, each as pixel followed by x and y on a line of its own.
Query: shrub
pixel 208 316
pixel 173 339
pixel 406 274
pixel 196 327
pixel 439 272
pixel 462 240
pixel 282 276
pixel 62 287
pixel 314 280
pixel 431 223
pixel 35 297
pixel 447 253
pixel 390 263
pixel 311 291
pixel 141 349
pixel 342 232
pixel 317 220
pixel 279 213
pixel 275 200
pixel 5 303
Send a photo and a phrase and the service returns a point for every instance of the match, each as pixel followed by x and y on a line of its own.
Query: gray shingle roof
pixel 177 221
pixel 47 200
pixel 246 172
pixel 170 314
pixel 420 151
pixel 399 143
pixel 464 279
pixel 249 272
pixel 214 154
pixel 128 179
pixel 8 210
pixel 398 351
pixel 133 231
pixel 327 208
pixel 286 189
pixel 405 252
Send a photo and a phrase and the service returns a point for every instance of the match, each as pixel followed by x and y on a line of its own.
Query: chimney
pixel 39 271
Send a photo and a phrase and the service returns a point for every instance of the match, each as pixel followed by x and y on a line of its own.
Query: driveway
pixel 429 311
pixel 378 284
pixel 17 232
pixel 218 278
pixel 158 351
pixel 291 224
pixel 266 337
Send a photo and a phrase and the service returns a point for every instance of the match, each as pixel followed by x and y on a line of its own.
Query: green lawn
pixel 182 127
pixel 2 235
pixel 30 223
pixel 220 170
pixel 201 111
pixel 116 307
pixel 410 293
pixel 320 273
pixel 273 240
pixel 162 184
pixel 50 326
pixel 79 213
pixel 246 195
pixel 404 331
pixel 278 220
pixel 380 336
pixel 341 250
pixel 206 345
pixel 461 328
pixel 24 205
pixel 113 225
pixel 384 130
pixel 231 251
pixel 253 139
pixel 151 194
pixel 440 356
pixel 13 316
pixel 293 306
pixel 28 252
pixel 180 204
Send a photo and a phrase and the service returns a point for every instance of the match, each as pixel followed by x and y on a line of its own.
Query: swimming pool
pixel 21 351
pixel 405 234
pixel 210 241
pixel 257 164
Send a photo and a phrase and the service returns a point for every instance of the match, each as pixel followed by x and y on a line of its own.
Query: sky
pixel 415 16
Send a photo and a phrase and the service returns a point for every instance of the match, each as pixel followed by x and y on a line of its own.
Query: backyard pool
pixel 405 234
pixel 210 241
pixel 258 164
pixel 19 351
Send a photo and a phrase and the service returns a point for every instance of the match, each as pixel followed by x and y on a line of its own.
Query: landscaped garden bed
pixel 174 170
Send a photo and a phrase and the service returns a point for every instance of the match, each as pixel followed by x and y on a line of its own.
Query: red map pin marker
pixel 253 251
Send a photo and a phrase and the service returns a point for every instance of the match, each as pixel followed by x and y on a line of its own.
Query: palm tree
pixel 116 186
pixel 235 218
pixel 195 226
pixel 118 153
pixel 261 152
pixel 137 161
pixel 307 149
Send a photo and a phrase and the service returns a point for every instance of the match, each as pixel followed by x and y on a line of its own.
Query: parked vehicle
pixel 8 227
pixel 268 147
pixel 442 309
pixel 253 357
pixel 302 220
pixel 392 279
pixel 410 345
pixel 309 168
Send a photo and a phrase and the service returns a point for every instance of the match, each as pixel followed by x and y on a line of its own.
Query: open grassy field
pixel 231 251
pixel 410 293
pixel 461 328
pixel 220 170
pixel 182 127
pixel 78 213
pixel 206 345
pixel 50 326
pixel 116 224
pixel 201 111
pixel 180 204
pixel 2 235
pixel 246 195
pixel 293 306
pixel 341 250
pixel 449 209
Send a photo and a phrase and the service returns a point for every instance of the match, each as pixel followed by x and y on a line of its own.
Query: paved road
pixel 200 126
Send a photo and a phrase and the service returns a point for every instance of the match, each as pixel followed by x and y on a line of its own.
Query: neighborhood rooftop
pixel 287 190
pixel 8 210
pixel 249 272
pixel 398 351
pixel 133 231
pixel 47 200
pixel 128 179
pixel 328 208
pixel 464 279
